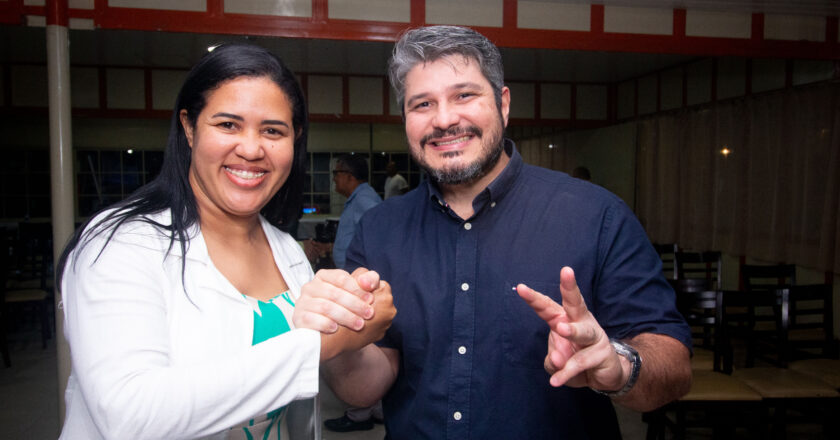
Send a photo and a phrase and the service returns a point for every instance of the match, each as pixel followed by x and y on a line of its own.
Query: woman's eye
pixel 227 125
pixel 273 131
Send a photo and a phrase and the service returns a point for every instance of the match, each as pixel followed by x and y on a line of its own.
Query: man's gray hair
pixel 428 44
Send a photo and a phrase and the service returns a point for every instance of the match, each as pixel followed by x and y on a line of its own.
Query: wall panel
pixel 522 100
pixel 794 27
pixel 472 13
pixel 767 74
pixel 630 20
pixel 373 10
pixel 28 86
pixel 126 89
pixel 555 101
pixel 365 95
pixel 648 94
pixel 699 82
pixel 285 8
pixel 84 87
pixel 671 94
pixel 553 15
pixel 731 74
pixel 591 102
pixel 325 94
pixel 718 24
pixel 165 87
pixel 166 5
pixel 626 106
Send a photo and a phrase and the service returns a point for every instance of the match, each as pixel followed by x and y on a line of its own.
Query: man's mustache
pixel 452 131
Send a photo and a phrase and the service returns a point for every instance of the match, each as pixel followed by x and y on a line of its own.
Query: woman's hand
pixel 347 341
pixel 335 298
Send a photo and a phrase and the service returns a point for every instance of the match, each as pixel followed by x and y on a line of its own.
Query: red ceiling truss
pixel 319 25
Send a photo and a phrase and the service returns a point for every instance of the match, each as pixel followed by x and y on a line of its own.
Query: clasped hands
pixel 579 351
pixel 350 310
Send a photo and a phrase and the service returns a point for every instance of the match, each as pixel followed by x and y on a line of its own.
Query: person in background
pixel 529 301
pixel 395 184
pixel 350 178
pixel 581 173
pixel 180 301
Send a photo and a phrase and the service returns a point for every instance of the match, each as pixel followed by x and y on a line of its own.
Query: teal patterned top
pixel 271 318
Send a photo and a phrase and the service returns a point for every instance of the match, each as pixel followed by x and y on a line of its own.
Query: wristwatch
pixel 631 355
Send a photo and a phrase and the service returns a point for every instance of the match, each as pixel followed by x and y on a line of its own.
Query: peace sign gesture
pixel 579 351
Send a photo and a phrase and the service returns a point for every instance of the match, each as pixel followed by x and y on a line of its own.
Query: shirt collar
pixel 359 188
pixel 496 190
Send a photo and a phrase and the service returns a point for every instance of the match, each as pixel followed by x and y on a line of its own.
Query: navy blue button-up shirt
pixel 471 350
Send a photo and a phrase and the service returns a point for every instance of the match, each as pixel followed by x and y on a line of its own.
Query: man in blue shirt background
pixel 466 355
pixel 350 178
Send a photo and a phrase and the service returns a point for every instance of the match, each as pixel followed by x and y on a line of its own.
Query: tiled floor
pixel 29 398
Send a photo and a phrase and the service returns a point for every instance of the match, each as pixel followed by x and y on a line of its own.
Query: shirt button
pixel 462 349
pixel 492 204
pixel 457 415
pixel 465 287
pixel 468 226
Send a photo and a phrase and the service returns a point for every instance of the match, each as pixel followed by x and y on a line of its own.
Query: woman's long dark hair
pixel 171 190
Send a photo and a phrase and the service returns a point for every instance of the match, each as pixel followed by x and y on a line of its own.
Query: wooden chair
pixel 697 303
pixel 782 389
pixel 810 330
pixel 767 277
pixel 705 265
pixel 666 254
pixel 715 399
pixel 761 278
pixel 811 347
pixel 28 279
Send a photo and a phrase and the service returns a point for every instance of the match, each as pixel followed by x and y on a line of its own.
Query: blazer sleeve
pixel 116 311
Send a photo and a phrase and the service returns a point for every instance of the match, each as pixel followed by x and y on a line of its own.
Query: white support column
pixel 61 164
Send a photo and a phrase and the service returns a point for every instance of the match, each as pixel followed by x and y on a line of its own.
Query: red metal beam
pixel 215 20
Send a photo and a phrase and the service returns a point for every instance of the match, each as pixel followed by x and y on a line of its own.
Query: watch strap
pixel 629 353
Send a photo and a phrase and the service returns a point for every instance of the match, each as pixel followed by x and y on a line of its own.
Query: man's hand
pixel 579 351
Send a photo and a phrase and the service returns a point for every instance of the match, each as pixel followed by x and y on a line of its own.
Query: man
pixel 350 178
pixel 466 356
pixel 395 184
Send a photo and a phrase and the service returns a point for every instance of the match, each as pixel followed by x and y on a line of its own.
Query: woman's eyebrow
pixel 228 115
pixel 275 122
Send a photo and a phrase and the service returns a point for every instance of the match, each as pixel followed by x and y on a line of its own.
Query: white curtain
pixel 775 197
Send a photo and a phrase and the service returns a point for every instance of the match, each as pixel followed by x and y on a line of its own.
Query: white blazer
pixel 150 360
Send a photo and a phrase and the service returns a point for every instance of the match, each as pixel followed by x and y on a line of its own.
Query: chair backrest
pixel 31 257
pixel 699 305
pixel 810 322
pixel 737 319
pixel 768 277
pixel 666 254
pixel 705 265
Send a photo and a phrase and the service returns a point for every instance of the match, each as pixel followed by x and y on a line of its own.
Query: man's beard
pixel 491 151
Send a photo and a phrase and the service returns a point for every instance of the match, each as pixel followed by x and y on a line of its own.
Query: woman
pixel 179 300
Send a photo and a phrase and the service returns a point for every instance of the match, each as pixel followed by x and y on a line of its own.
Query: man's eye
pixel 465 95
pixel 422 104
